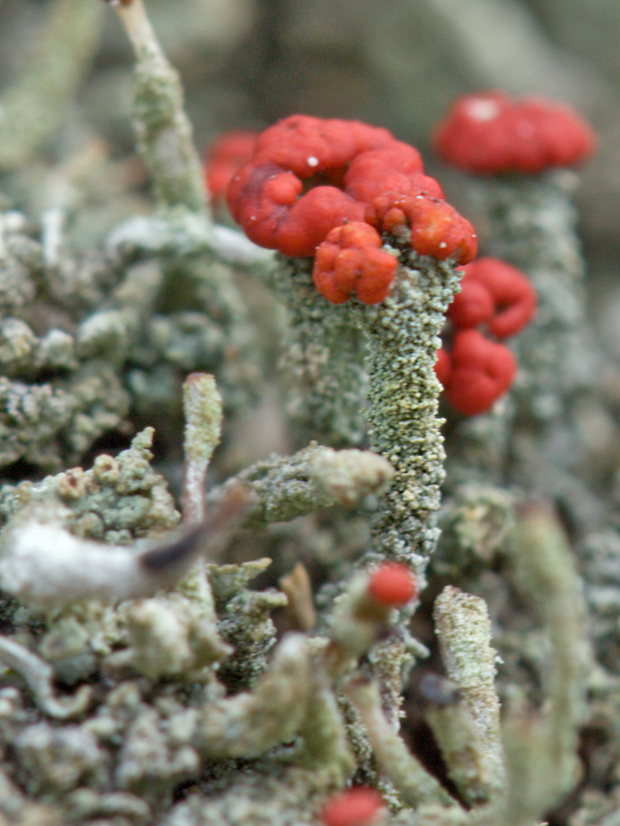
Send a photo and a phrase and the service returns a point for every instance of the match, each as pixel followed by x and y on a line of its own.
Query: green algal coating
pixel 403 335
pixel 322 359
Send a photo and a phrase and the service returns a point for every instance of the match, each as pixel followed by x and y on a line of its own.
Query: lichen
pixel 171 652
pixel 402 412
pixel 118 500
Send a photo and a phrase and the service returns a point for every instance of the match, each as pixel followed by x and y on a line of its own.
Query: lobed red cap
pixel 224 157
pixel 512 296
pixel 351 260
pixel 434 227
pixel 482 371
pixel 308 176
pixel 492 133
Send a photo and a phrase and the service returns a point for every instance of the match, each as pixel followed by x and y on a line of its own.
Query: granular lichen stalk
pixel 541 748
pixel 414 784
pixel 284 487
pixel 322 359
pixel 403 334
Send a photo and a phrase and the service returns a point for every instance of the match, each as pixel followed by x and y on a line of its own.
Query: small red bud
pixel 392 585
pixel 355 807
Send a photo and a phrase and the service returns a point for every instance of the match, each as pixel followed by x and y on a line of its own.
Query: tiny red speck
pixel 355 807
pixel 392 585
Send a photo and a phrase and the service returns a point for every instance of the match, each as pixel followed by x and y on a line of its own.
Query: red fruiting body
pixel 268 203
pixel 474 304
pixel 266 195
pixel 435 227
pixel 491 133
pixel 224 157
pixel 311 218
pixel 482 371
pixel 443 366
pixel 392 585
pixel 355 807
pixel 478 371
pixel 396 166
pixel 308 176
pixel 513 300
pixel 307 145
pixel 350 259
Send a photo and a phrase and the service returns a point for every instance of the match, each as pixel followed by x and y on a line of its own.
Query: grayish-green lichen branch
pixel 459 741
pixel 32 109
pixel 403 333
pixel 541 748
pixel 202 406
pixel 120 499
pixel 464 630
pixel 163 132
pixel 414 784
pixel 322 359
pixel 181 233
pixel 249 724
pixel 284 487
pixel 325 743
pixel 38 675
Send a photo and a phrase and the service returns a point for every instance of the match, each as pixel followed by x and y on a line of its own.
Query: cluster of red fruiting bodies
pixel 476 370
pixel 327 189
pixel 491 133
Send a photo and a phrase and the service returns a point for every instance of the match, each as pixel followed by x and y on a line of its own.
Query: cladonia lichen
pixel 191 630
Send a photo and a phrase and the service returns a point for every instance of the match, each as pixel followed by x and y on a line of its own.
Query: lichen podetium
pixel 402 413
